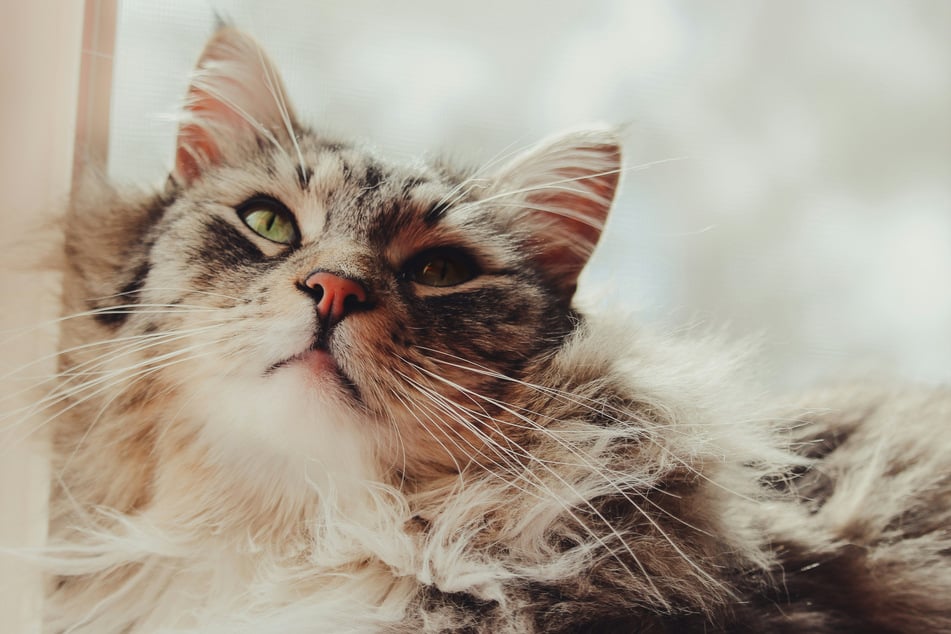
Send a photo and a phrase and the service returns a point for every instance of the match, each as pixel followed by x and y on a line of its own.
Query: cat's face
pixel 324 303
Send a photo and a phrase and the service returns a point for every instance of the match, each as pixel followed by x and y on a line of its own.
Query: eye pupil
pixel 442 269
pixel 269 219
pixel 436 269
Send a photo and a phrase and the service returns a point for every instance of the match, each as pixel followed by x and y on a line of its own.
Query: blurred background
pixel 790 161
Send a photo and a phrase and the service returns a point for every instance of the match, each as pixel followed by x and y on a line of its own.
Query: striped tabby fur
pixel 470 457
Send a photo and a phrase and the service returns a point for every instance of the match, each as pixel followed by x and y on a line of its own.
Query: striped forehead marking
pixel 328 175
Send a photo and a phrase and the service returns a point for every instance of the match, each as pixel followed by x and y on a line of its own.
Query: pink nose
pixel 336 296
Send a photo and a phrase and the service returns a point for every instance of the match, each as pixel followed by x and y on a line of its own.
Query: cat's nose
pixel 336 296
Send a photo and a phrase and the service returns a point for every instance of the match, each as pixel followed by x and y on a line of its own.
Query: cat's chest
pixel 210 588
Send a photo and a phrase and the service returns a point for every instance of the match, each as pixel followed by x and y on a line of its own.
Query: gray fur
pixel 487 460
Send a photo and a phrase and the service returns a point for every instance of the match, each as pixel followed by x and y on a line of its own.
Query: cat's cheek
pixel 263 338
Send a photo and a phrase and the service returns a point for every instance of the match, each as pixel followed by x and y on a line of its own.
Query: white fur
pixel 354 562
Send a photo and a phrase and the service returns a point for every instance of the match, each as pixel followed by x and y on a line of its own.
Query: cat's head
pixel 298 295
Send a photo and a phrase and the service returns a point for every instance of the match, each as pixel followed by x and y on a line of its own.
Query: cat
pixel 304 388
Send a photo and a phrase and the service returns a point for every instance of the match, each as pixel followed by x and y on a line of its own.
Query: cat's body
pixel 312 390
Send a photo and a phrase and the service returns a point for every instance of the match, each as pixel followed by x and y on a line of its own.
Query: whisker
pixel 67 389
pixel 273 85
pixel 138 378
pixel 109 383
pixel 95 344
pixel 574 451
pixel 464 187
pixel 201 83
pixel 412 412
pixel 600 408
pixel 399 438
pixel 446 407
pixel 137 344
pixel 581 499
pixel 127 309
pixel 563 184
pixel 533 480
pixel 176 289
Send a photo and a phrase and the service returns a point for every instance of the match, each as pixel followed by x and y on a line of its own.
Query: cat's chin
pixel 303 413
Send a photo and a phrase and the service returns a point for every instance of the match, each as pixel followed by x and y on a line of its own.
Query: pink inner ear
pixel 586 209
pixel 235 97
pixel 584 200
pixel 196 146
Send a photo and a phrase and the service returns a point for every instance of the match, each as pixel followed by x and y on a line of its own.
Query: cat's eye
pixel 441 267
pixel 269 219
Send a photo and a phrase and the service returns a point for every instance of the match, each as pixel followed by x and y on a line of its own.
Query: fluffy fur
pixel 472 457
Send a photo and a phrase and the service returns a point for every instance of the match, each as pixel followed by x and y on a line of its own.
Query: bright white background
pixel 802 186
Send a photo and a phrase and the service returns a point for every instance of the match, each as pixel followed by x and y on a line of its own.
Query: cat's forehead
pixel 358 191
pixel 343 188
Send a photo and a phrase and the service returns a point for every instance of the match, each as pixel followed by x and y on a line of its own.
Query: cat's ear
pixel 235 98
pixel 564 188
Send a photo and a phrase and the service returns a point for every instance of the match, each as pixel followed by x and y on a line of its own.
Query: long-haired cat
pixel 303 388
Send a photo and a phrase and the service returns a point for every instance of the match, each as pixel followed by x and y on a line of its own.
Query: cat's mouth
pixel 320 361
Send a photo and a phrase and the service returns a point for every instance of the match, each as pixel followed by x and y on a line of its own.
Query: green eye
pixel 442 267
pixel 269 219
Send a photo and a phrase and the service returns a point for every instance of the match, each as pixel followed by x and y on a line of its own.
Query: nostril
pixel 352 302
pixel 336 296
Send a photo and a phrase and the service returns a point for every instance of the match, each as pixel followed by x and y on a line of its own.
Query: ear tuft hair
pixel 565 187
pixel 236 96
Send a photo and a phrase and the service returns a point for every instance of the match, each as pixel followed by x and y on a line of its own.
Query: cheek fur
pixel 498 326
pixel 434 371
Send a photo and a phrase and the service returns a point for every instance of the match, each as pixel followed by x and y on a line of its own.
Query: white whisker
pixel 175 289
pixel 274 88
pixel 580 498
pixel 610 412
pixel 67 389
pixel 574 451
pixel 136 378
